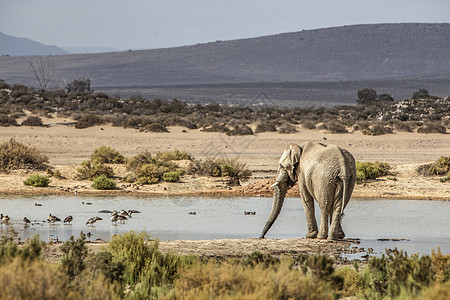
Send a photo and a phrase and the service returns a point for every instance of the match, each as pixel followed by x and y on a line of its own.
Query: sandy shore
pixel 66 147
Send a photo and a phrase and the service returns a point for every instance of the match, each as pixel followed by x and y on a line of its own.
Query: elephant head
pixel 287 177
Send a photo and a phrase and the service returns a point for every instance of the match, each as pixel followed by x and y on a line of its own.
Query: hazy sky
pixel 141 24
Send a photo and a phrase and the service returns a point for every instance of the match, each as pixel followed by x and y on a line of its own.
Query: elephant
pixel 326 173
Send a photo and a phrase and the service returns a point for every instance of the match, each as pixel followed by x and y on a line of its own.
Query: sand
pixel 67 147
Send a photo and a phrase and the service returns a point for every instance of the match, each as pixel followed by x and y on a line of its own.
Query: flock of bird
pixel 115 216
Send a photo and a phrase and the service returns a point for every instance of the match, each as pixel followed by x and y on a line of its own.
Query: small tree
pixel 420 94
pixel 366 95
pixel 80 86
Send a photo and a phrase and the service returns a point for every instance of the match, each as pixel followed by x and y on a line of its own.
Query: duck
pixel 192 213
pixel 68 220
pixel 133 211
pixel 121 218
pixel 252 213
pixel 92 220
pixel 53 219
pixel 125 214
pixel 26 221
pixel 37 204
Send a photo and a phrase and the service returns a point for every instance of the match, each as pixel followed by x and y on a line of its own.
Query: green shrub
pixel 32 121
pixel 74 253
pixel 369 170
pixel 171 176
pixel 15 155
pixel 90 170
pixel 173 155
pixel 37 180
pixel 107 155
pixel 103 183
pixel 136 162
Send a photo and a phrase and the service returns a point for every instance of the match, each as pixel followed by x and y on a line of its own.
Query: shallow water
pixel 425 224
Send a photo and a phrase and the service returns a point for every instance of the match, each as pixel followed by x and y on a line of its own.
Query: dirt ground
pixel 67 147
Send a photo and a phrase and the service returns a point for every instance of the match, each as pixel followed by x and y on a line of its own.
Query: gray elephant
pixel 325 173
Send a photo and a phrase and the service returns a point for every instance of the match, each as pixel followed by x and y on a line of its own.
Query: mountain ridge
pixel 346 53
pixel 19 46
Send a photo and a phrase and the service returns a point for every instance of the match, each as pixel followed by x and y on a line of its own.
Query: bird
pixel 68 220
pixel 5 219
pixel 192 213
pixel 125 214
pixel 25 219
pixel 114 218
pixel 121 218
pixel 37 204
pixel 53 219
pixel 250 213
pixel 133 211
pixel 92 220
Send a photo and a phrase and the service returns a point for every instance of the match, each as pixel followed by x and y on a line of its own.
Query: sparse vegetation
pixel 15 155
pixel 131 266
pixel 370 170
pixel 32 121
pixel 37 180
pixel 91 109
pixel 90 170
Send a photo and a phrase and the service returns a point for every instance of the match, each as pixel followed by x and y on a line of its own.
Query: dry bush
pixel 377 129
pixel 89 120
pixel 432 127
pixel 231 281
pixel 333 127
pixel 216 127
pixel 266 127
pixel 15 155
pixel 32 121
pixel 155 127
pixel 309 124
pixel 6 121
pixel 439 167
pixel 173 155
pixel 90 170
pixel 287 128
pixel 240 130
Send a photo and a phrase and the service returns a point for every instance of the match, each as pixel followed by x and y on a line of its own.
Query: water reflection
pixel 425 224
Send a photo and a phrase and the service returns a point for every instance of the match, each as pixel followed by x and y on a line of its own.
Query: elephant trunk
pixel 280 190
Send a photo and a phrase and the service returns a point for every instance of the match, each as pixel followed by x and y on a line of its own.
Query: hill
pixel 10 45
pixel 339 54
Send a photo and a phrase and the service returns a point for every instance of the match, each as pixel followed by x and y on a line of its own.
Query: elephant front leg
pixel 308 207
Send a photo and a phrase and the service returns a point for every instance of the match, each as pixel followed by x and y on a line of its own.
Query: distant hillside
pixel 10 45
pixel 349 53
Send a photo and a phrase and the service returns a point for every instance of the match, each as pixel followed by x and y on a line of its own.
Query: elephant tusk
pixel 275 184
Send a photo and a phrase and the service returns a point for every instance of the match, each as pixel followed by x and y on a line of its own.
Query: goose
pixel 133 211
pixel 125 214
pixel 114 218
pixel 37 204
pixel 5 219
pixel 25 219
pixel 192 213
pixel 121 218
pixel 92 220
pixel 68 220
pixel 250 213
pixel 53 219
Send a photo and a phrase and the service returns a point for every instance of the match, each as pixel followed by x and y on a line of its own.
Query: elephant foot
pixel 341 234
pixel 333 238
pixel 311 235
pixel 322 236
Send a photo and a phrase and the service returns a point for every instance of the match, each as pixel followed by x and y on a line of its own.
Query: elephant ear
pixel 290 159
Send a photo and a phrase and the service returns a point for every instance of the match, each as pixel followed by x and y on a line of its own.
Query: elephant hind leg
pixel 308 207
pixel 340 231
